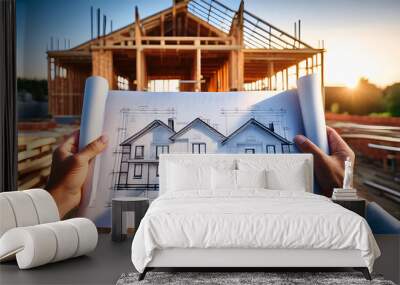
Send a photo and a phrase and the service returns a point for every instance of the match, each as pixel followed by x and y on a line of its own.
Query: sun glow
pixel 352 83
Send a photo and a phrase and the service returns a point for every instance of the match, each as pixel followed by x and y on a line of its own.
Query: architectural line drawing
pixel 138 169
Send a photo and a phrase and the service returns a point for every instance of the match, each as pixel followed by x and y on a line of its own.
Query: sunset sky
pixel 362 37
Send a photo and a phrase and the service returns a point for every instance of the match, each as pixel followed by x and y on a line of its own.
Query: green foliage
pixel 392 99
pixel 38 88
pixel 383 114
pixel 365 99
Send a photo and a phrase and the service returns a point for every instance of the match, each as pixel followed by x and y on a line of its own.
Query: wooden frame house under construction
pixel 201 44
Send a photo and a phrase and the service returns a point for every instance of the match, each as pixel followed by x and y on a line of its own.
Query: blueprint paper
pixel 310 98
pixel 141 125
pixel 96 89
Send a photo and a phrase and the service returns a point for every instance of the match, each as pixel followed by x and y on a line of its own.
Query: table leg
pixel 116 217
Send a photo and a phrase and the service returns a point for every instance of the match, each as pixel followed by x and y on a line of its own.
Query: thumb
pixel 94 148
pixel 307 146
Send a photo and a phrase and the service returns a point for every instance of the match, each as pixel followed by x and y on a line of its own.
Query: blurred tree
pixel 367 98
pixel 337 97
pixel 38 88
pixel 392 99
pixel 335 107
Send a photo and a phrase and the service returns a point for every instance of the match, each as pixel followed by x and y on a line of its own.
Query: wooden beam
pixel 186 39
pixel 49 84
pixel 198 70
pixel 162 18
pixel 287 78
pixel 172 47
pixel 174 20
pixel 139 53
pixel 270 74
pixel 102 65
pixel 236 59
pixel 240 67
pixel 307 65
pixel 284 51
pixel 268 58
pixel 186 24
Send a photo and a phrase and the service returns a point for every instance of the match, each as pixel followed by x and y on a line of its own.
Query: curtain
pixel 8 134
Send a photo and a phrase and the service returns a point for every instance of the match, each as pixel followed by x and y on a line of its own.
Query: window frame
pixel 198 145
pixel 284 145
pixel 162 146
pixel 135 166
pixel 136 151
pixel 270 145
pixel 253 150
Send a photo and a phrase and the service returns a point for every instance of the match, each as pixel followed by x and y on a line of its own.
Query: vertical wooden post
pixel 240 69
pixel 287 78
pixel 102 65
pixel 162 25
pixel 186 22
pixel 270 74
pixel 139 53
pixel 198 70
pixel 241 44
pixel 49 85
pixel 232 72
pixel 174 21
pixel 236 57
pixel 297 71
pixel 313 64
pixel 139 71
pixel 307 65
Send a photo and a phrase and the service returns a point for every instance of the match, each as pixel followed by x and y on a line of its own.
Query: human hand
pixel 328 169
pixel 69 170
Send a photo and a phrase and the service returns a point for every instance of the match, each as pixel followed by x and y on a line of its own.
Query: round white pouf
pixel 45 205
pixel 23 208
pixel 67 240
pixel 33 246
pixel 87 234
pixel 7 218
pixel 40 244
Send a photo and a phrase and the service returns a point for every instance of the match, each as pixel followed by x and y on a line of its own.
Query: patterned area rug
pixel 230 278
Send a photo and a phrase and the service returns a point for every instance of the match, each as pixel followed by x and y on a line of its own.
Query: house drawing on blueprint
pixel 140 152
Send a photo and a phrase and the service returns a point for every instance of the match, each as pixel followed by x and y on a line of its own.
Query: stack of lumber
pixel 35 150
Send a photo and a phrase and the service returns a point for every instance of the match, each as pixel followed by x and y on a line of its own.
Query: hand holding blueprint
pixel 143 125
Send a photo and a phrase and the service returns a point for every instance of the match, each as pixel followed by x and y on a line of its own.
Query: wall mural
pixel 143 125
